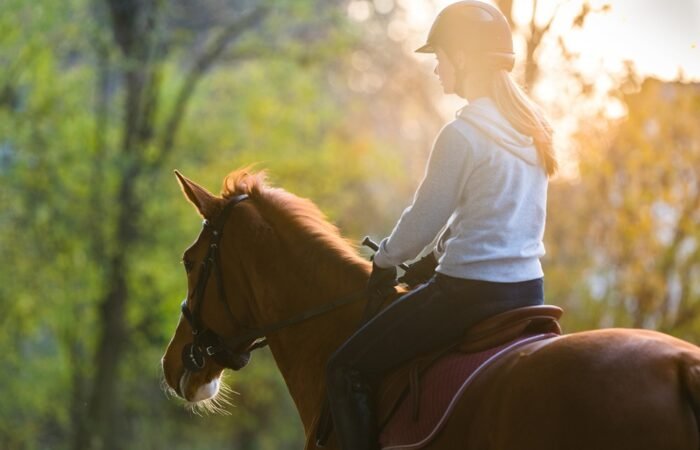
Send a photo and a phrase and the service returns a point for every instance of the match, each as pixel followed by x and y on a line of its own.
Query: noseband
pixel 233 353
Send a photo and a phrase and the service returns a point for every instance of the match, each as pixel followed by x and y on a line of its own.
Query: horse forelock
pixel 244 181
pixel 302 213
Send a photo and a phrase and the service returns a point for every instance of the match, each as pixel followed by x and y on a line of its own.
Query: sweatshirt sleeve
pixel 434 201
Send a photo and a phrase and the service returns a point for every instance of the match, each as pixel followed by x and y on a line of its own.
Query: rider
pixel 485 185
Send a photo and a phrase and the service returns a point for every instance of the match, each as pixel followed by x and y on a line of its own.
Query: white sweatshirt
pixel 485 186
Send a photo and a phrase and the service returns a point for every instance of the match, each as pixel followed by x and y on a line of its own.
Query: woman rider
pixel 485 187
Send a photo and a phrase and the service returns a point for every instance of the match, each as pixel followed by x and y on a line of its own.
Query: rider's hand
pixel 381 281
pixel 420 271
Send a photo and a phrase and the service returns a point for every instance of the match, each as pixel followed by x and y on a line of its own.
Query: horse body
pixel 606 389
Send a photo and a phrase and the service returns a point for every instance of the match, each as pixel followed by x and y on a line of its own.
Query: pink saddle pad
pixel 441 386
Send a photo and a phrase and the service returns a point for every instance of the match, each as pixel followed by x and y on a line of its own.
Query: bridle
pixel 234 352
pixel 205 342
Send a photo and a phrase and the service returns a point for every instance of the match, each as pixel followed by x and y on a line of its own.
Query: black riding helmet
pixel 476 28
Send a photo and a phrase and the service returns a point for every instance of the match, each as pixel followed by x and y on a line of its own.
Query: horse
pixel 269 265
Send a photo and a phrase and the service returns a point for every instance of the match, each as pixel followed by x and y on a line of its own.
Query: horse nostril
pixel 177 388
pixel 182 383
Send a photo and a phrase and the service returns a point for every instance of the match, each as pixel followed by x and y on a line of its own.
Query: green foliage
pixel 61 165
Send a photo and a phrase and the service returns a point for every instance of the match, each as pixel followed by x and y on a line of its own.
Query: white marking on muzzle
pixel 206 391
pixel 203 392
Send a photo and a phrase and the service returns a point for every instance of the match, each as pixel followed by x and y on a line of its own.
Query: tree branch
pixel 201 65
pixel 506 7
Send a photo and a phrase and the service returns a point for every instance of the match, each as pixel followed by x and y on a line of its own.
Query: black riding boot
pixel 353 412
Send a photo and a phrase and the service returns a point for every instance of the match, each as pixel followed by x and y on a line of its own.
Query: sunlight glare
pixel 359 10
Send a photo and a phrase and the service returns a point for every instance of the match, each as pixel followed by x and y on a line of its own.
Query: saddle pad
pixel 441 386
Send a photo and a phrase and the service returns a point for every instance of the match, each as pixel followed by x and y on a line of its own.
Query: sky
pixel 660 36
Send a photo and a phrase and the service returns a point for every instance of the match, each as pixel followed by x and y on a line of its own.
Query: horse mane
pixel 288 208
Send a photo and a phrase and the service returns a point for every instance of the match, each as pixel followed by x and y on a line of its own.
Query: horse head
pixel 263 257
pixel 217 307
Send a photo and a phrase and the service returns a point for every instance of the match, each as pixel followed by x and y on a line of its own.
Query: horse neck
pixel 302 351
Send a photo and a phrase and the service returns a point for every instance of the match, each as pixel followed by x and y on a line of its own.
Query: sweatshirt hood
pixel 483 114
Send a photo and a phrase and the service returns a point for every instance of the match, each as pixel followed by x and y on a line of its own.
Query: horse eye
pixel 188 265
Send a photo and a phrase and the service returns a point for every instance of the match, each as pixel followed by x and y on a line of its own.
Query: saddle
pixel 489 334
pixel 487 339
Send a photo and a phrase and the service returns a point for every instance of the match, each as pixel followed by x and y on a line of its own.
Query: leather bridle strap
pixel 205 341
pixel 258 333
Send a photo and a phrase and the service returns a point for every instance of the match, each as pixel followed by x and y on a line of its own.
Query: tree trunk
pixel 133 26
pixel 135 32
pixel 506 7
pixel 78 351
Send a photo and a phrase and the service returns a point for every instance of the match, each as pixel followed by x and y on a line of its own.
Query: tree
pixel 536 31
pixel 99 101
pixel 136 28
pixel 639 188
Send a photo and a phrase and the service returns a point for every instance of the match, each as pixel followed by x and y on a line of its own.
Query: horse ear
pixel 205 202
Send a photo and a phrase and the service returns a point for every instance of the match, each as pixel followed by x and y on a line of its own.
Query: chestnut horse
pixel 607 389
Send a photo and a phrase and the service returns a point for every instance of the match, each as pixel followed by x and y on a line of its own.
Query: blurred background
pixel 101 99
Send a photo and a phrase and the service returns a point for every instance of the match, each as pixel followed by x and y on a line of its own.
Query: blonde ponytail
pixel 525 116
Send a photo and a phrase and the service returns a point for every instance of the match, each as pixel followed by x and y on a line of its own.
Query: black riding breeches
pixel 431 316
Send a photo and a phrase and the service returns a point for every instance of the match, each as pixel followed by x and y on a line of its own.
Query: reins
pixel 258 333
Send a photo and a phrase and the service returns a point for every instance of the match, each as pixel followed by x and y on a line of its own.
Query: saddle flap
pixel 395 386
